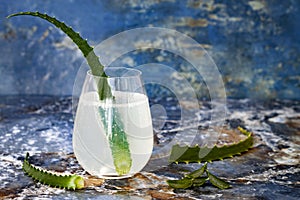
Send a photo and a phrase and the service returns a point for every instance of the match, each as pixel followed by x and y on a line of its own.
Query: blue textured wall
pixel 255 44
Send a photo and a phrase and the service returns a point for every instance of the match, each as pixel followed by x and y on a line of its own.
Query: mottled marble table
pixel 42 126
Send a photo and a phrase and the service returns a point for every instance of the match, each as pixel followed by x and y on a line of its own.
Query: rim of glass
pixel 129 73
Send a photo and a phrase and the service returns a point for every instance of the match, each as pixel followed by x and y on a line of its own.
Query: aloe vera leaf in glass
pixel 97 69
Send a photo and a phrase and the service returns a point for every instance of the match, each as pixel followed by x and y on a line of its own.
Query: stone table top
pixel 42 126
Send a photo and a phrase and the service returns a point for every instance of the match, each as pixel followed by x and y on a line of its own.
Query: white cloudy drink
pixel 91 139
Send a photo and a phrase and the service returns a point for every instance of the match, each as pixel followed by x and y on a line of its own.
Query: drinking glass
pixel 113 137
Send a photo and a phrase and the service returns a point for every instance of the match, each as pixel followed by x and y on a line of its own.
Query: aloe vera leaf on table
pixel 221 184
pixel 197 182
pixel 181 183
pixel 66 181
pixel 197 173
pixel 189 154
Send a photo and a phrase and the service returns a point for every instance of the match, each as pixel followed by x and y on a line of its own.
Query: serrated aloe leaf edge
pixel 59 180
pixel 189 154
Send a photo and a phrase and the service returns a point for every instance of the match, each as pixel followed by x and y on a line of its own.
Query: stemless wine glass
pixel 113 137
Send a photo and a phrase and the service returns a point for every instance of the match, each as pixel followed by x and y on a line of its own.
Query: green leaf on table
pixel 217 181
pixel 199 181
pixel 197 173
pixel 181 183
pixel 191 154
pixel 54 179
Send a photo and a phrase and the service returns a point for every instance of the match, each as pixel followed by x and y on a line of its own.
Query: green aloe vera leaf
pixel 197 173
pixel 181 183
pixel 191 154
pixel 217 181
pixel 92 59
pixel 197 182
pixel 71 182
pixel 117 140
pixel 104 90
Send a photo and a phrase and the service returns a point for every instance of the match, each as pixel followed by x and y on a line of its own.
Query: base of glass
pixel 115 176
